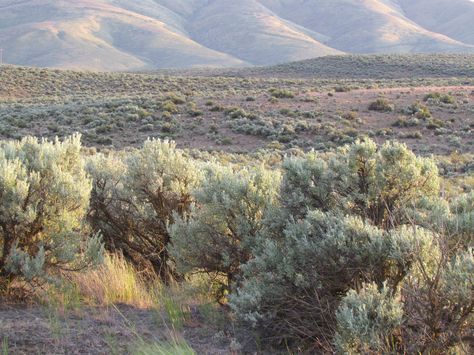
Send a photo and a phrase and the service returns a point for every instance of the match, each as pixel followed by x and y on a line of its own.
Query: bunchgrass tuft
pixel 115 282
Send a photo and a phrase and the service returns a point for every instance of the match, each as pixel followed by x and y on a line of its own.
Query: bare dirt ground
pixel 94 330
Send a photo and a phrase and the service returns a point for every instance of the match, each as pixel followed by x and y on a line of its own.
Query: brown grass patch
pixel 117 282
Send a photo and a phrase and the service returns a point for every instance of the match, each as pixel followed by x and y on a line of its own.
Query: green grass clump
pixel 176 313
pixel 5 346
pixel 175 347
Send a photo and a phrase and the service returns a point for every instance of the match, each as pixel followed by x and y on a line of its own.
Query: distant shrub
pixel 176 99
pixel 437 97
pixel 146 128
pixel 418 110
pixel 381 105
pixel 434 123
pixel 169 106
pixel 226 141
pixel 167 127
pixel 216 108
pixel 287 112
pixel 404 123
pixel 193 110
pixel 350 116
pixel 235 112
pixel 342 89
pixel 384 132
pixel 275 145
pixel 413 135
pixel 282 93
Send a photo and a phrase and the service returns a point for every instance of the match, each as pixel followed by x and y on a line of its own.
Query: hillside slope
pixel 146 34
pixel 369 26
pixel 372 66
pixel 454 18
pixel 100 35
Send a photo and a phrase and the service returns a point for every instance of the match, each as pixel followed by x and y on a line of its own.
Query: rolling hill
pixel 147 34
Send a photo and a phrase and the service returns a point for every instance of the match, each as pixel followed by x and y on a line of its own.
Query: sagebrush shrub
pixel 360 215
pixel 439 305
pixel 377 184
pixel 381 105
pixel 282 93
pixel 218 234
pixel 44 194
pixel 297 278
pixel 135 197
pixel 460 222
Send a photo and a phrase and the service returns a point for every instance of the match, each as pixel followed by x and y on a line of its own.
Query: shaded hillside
pixel 454 18
pixel 372 26
pixel 376 67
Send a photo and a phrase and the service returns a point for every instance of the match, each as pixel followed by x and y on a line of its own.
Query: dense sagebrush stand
pixel 353 251
pixel 352 218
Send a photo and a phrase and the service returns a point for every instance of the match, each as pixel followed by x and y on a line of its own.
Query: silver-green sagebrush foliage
pixel 454 219
pixel 347 220
pixel 218 234
pixel 44 195
pixel 294 283
pixel 361 179
pixel 367 320
pixel 352 251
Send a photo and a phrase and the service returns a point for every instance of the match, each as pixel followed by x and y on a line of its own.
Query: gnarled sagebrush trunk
pixel 135 197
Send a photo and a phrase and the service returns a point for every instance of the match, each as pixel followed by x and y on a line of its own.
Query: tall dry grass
pixel 116 282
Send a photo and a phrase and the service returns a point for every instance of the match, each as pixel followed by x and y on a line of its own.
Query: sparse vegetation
pixel 116 110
